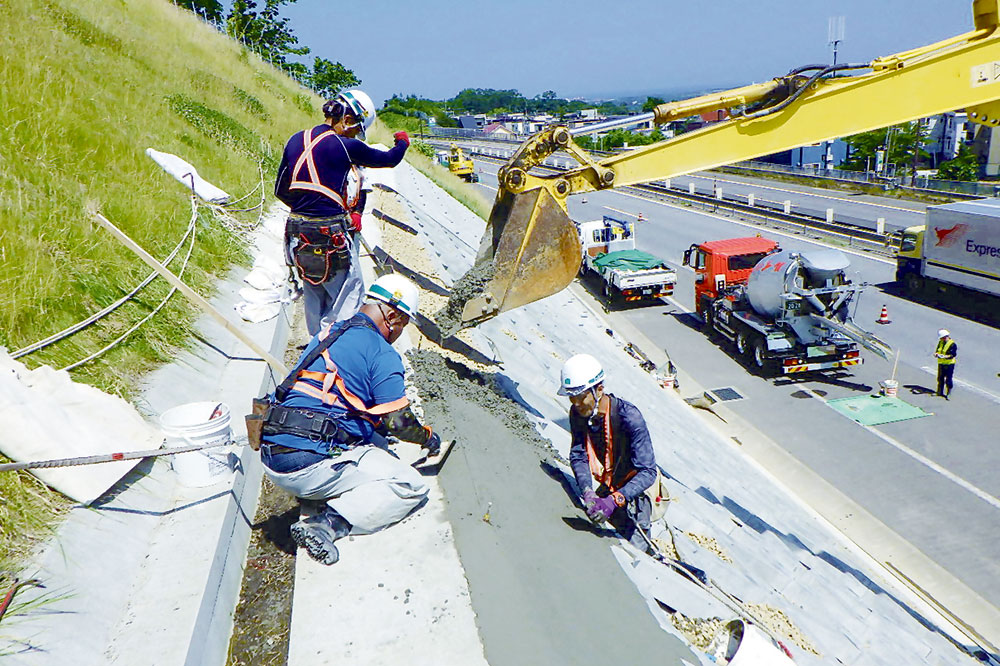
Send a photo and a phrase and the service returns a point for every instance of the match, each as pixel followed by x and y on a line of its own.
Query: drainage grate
pixel 725 394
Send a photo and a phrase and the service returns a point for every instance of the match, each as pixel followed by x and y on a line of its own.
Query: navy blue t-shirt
pixel 333 157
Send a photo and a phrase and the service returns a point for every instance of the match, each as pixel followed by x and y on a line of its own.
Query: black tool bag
pixel 323 247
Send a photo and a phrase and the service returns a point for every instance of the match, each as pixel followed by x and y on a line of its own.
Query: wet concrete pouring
pixel 544 584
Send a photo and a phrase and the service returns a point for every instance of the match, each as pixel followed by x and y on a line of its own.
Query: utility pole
pixel 835 34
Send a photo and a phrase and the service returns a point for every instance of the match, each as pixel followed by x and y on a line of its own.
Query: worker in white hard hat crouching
pixel 610 445
pixel 946 352
pixel 346 390
pixel 320 179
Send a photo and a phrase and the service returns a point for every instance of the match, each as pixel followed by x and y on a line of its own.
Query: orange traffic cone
pixel 884 317
pixel 641 218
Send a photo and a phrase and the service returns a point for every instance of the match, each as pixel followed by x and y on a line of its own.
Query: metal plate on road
pixel 725 394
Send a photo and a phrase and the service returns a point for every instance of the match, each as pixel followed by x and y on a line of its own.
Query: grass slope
pixel 85 87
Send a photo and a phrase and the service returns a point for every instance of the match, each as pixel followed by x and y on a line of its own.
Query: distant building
pixel 825 155
pixel 987 148
pixel 477 121
pixel 497 131
pixel 946 134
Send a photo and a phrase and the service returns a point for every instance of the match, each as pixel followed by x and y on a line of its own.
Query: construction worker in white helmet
pixel 347 389
pixel 320 179
pixel 945 352
pixel 610 445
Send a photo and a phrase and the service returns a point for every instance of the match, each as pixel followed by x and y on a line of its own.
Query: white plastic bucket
pixel 667 380
pixel 890 387
pixel 193 424
pixel 742 644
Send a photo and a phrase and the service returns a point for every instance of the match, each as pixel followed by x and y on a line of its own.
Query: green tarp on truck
pixel 628 260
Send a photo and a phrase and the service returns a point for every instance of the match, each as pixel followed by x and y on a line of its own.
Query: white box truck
pixel 958 246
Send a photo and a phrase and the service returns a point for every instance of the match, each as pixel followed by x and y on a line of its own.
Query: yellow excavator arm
pixel 530 249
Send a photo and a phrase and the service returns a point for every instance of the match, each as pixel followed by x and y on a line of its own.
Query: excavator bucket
pixel 530 250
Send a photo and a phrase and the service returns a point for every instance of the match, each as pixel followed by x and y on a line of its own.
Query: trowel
pixel 431 465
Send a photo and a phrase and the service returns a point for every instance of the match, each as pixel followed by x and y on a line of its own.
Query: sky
pixel 601 49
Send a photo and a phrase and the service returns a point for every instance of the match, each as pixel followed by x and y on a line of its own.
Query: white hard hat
pixel 943 333
pixel 359 105
pixel 580 373
pixel 395 290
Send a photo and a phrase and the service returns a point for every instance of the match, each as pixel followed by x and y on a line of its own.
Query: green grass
pixel 466 193
pixel 85 87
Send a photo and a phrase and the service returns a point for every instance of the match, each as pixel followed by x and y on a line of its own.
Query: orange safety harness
pixel 604 471
pixel 344 199
pixel 329 388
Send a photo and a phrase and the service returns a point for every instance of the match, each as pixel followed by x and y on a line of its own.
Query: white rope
pixel 142 321
pixel 221 214
pixel 66 332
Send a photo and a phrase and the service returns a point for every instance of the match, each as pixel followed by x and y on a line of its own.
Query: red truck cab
pixel 722 263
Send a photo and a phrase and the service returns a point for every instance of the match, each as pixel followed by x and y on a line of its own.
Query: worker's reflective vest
pixel 944 347
pixel 348 198
pixel 329 388
pixel 606 457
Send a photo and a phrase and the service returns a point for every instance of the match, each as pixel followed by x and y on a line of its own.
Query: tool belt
pixel 310 424
pixel 323 246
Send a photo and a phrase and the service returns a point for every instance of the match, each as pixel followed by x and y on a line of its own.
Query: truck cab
pixel 725 263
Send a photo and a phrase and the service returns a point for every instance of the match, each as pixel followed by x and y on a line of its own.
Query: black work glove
pixel 433 444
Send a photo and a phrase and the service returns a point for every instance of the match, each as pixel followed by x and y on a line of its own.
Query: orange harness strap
pixel 604 473
pixel 308 160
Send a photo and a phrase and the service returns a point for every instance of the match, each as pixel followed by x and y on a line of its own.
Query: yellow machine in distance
pixel 530 249
pixel 462 166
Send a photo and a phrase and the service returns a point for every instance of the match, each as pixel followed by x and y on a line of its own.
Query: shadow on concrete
pixel 509 388
pixel 759 525
pixel 965 303
pixel 828 377
pixel 917 389
pixel 391 220
pixel 275 529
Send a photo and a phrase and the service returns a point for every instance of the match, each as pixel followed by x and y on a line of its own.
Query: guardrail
pixel 921 184
pixel 852 229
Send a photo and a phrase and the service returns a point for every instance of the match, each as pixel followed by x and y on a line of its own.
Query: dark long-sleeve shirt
pixel 634 430
pixel 333 157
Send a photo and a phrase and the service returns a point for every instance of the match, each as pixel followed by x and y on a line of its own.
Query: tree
pixel 964 166
pixel 329 78
pixel 651 103
pixel 901 141
pixel 210 9
pixel 265 31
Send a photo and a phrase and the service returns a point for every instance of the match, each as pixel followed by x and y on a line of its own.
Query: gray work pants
pixel 368 486
pixel 338 298
pixel 637 512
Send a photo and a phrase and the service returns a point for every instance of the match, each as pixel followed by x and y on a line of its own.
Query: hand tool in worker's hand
pixel 429 465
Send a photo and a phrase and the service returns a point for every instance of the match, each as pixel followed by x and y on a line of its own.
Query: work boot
pixel 317 533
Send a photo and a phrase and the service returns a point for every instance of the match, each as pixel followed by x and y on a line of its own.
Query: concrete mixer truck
pixel 787 312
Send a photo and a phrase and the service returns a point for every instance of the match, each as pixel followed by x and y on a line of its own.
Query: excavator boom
pixel 530 249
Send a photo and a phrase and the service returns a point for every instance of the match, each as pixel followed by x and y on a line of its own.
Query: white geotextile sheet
pixel 188 175
pixel 46 415
pixel 268 280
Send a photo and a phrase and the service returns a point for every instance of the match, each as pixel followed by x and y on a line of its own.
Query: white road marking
pixel 923 460
pixel 622 212
pixel 972 387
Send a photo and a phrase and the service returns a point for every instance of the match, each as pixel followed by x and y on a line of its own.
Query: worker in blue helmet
pixel 345 392
pixel 320 178
pixel 610 446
